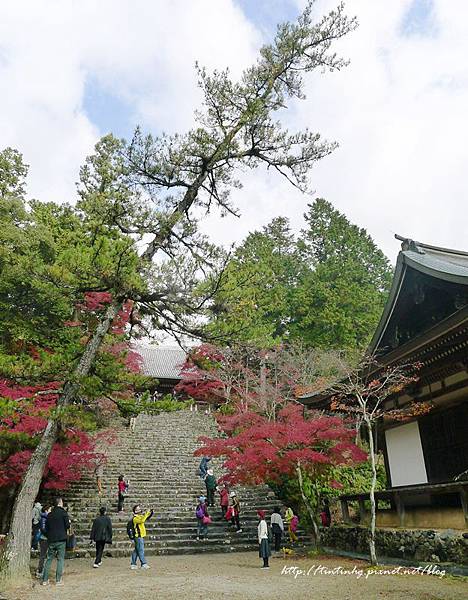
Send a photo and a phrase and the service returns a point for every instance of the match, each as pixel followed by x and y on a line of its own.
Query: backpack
pixel 131 529
pixel 199 513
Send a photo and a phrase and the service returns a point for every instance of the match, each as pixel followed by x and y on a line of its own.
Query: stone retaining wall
pixel 412 544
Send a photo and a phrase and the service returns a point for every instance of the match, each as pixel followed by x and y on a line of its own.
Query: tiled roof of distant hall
pixel 161 362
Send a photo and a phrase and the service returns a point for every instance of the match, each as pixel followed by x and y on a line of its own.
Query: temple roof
pixel 430 284
pixel 161 362
pixel 425 318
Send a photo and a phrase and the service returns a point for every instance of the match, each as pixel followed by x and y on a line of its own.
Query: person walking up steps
pixel 101 534
pixel 139 532
pixel 210 483
pixel 122 492
pixel 263 542
pixel 56 527
pixel 235 508
pixel 203 467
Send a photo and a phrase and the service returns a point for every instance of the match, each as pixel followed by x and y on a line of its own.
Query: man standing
pixel 139 519
pixel 56 528
pixel 101 534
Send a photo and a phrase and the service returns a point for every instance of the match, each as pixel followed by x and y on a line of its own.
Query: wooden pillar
pixel 464 503
pixel 345 511
pixel 362 510
pixel 400 506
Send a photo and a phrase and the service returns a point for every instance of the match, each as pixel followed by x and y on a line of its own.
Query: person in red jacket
pixel 224 498
pixel 123 488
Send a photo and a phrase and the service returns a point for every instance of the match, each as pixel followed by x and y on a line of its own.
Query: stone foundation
pixel 420 545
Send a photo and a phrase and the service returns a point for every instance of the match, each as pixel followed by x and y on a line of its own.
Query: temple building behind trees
pixel 425 320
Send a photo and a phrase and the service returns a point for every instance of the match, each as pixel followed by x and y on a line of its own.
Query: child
pixel 263 543
pixel 122 492
pixel 201 513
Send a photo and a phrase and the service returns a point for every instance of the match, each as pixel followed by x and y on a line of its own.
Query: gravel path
pixel 238 576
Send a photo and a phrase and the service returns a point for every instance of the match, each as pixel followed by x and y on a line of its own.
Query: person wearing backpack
pixel 101 534
pixel 139 533
pixel 202 515
pixel 263 539
pixel 43 544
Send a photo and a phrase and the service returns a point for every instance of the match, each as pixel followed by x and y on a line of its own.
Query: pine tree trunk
pixel 308 506
pixel 14 564
pixel 373 555
pixel 18 547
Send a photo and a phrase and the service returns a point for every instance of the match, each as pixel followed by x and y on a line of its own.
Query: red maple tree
pixel 258 450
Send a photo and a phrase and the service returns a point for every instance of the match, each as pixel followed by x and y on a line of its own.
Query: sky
pixel 72 71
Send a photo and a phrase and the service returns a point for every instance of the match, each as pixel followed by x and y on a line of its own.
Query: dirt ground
pixel 238 576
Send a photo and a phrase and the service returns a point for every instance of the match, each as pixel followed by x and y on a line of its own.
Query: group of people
pixel 50 531
pixel 228 501
pixel 51 525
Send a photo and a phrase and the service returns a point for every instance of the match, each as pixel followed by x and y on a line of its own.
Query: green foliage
pixel 326 288
pixel 135 406
pixel 341 297
pixel 13 172
pixel 354 479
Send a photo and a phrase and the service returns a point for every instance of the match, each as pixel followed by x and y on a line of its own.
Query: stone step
pixel 158 462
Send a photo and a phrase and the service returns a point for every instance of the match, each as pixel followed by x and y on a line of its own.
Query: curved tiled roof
pixel 161 362
pixel 441 263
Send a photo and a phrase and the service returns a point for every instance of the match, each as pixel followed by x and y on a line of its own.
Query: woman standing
pixel 235 508
pixel 224 498
pixel 288 515
pixel 202 517
pixel 263 543
pixel 122 492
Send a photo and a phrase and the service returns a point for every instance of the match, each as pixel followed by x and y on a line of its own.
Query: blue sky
pixel 75 71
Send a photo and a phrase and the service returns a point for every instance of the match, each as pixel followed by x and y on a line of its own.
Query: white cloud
pixel 398 111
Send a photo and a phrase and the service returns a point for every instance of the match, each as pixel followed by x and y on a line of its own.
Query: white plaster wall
pixel 405 455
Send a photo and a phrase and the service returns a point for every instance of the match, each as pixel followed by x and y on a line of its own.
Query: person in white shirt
pixel 277 527
pixel 263 543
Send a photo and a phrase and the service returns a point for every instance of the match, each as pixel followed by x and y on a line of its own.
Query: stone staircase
pixel 157 459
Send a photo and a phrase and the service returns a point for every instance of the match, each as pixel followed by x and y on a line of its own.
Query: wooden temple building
pixel 425 320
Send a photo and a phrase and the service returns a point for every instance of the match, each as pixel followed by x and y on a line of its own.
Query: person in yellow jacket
pixel 139 529
pixel 288 516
